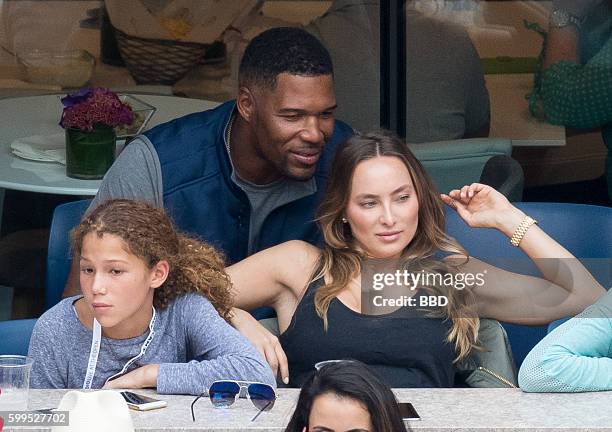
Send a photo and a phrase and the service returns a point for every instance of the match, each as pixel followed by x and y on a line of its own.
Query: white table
pixel 484 410
pixel 39 115
pixel 510 116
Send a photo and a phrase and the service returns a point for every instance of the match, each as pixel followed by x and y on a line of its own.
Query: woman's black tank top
pixel 405 348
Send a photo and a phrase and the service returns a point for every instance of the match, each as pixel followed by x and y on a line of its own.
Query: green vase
pixel 89 154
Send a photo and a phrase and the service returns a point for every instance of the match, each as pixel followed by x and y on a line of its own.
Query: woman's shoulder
pixel 294 257
pixel 296 247
pixel 297 258
pixel 290 252
pixel 301 248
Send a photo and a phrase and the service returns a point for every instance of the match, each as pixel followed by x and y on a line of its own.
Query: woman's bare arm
pixel 566 287
pixel 274 277
pixel 268 276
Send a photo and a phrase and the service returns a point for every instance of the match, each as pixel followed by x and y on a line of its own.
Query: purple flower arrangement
pixel 89 107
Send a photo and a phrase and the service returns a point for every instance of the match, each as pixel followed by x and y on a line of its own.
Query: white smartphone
pixel 142 403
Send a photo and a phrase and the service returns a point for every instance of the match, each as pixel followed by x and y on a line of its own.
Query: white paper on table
pixel 510 116
pixel 48 173
pixel 42 148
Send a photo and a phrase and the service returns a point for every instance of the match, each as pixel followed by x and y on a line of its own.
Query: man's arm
pixel 562 42
pixel 571 93
pixel 136 174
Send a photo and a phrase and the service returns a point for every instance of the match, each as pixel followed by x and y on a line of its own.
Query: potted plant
pixel 89 118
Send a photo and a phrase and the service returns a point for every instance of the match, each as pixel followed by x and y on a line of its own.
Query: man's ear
pixel 159 273
pixel 245 102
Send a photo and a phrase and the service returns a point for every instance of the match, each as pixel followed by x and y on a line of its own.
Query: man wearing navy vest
pixel 250 173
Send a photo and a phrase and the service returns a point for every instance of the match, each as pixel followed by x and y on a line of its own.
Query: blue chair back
pixel 15 336
pixel 65 217
pixel 584 230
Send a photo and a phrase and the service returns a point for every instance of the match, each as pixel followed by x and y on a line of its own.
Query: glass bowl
pixel 60 68
pixel 142 114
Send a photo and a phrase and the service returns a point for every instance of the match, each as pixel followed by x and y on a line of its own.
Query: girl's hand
pixel 482 206
pixel 143 377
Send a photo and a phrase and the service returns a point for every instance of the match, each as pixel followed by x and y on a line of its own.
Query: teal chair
pixel 453 164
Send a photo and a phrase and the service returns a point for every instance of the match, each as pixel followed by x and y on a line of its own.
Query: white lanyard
pixel 93 354
pixel 95 350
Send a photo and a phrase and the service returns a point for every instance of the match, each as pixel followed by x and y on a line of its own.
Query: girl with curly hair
pixel 153 311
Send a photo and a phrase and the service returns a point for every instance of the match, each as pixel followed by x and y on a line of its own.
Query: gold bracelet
pixel 520 231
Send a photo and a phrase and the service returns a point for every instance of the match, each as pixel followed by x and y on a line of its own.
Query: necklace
pixel 228 138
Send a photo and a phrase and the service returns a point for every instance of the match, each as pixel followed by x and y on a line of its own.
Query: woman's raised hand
pixel 480 205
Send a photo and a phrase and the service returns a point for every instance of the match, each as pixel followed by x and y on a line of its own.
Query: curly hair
pixel 149 234
pixel 283 49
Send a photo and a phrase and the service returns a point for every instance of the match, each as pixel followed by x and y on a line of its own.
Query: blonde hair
pixel 343 262
pixel 150 235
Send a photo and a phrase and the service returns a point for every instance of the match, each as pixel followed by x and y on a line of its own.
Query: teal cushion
pixel 455 163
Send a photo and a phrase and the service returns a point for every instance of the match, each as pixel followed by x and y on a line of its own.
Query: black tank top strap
pixel 305 305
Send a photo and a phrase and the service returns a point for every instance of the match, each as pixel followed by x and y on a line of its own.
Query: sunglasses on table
pixel 223 394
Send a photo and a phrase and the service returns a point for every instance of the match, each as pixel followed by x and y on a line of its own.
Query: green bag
pixel 494 365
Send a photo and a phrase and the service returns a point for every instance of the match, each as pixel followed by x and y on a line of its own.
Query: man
pixel 446 96
pixel 248 174
pixel 574 86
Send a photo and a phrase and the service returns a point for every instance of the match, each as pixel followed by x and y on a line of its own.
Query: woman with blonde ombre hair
pixel 390 288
